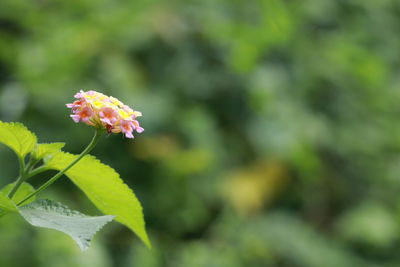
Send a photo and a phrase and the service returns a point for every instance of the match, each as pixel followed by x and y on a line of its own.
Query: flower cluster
pixel 107 112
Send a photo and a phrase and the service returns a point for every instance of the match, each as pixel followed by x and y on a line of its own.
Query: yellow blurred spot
pixel 249 189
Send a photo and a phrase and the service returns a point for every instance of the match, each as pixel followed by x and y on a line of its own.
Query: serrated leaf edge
pixel 82 245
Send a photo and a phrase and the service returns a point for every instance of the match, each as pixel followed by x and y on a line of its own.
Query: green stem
pixel 36 171
pixel 91 145
pixel 29 164
pixel 35 163
pixel 20 178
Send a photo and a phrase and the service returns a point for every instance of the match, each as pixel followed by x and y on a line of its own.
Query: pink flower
pixel 127 128
pixel 75 105
pixel 106 112
pixel 137 126
pixel 79 94
pixel 108 115
pixel 83 115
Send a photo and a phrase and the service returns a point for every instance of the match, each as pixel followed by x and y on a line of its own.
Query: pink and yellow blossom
pixel 107 112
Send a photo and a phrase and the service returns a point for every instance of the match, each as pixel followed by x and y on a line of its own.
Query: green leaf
pixel 23 191
pixel 103 186
pixel 54 215
pixel 42 150
pixel 17 137
pixel 6 203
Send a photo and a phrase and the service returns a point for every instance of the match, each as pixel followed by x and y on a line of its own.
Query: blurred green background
pixel 272 134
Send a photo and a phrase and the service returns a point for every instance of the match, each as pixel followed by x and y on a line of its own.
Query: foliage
pixel 42 150
pixel 24 190
pixel 6 203
pixel 103 186
pixel 99 182
pixel 53 215
pixel 17 137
